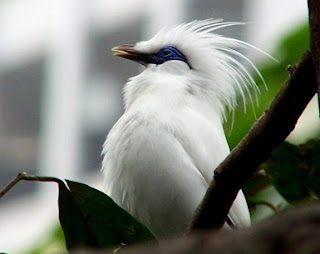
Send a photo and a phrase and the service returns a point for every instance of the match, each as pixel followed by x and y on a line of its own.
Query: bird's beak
pixel 126 51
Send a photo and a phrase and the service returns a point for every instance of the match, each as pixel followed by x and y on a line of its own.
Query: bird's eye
pixel 166 52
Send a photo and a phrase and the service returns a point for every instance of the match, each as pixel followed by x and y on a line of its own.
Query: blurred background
pixel 60 89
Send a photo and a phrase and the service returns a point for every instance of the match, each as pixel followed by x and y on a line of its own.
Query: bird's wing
pixel 207 153
pixel 149 173
pixel 176 161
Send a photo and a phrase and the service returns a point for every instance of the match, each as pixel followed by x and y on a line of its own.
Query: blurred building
pixel 60 89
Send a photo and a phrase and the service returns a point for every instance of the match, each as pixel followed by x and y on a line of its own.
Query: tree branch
pixel 314 14
pixel 267 133
pixel 25 177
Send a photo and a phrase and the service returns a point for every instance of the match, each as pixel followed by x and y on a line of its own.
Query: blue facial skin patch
pixel 167 53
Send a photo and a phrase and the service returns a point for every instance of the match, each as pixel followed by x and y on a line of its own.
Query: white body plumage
pixel 161 154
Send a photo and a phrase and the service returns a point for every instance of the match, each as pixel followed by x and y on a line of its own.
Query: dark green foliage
pixel 312 148
pixel 295 170
pixel 90 218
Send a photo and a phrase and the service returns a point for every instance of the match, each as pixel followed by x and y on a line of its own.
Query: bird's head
pixel 188 44
pixel 210 64
pixel 161 56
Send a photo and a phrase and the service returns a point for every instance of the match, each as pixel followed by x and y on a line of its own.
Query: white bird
pixel 161 154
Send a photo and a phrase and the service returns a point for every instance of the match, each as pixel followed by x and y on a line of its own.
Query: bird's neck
pixel 165 94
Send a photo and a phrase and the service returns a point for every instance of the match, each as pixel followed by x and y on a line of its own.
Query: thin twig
pixel 25 177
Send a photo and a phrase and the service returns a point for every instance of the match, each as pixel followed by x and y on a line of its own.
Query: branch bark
pixel 314 14
pixel 267 133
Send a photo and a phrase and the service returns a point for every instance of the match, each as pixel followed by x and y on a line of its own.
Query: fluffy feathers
pixel 160 156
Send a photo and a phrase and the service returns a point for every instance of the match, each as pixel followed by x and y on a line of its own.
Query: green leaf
pixel 287 175
pixel 312 153
pixel 295 170
pixel 90 218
